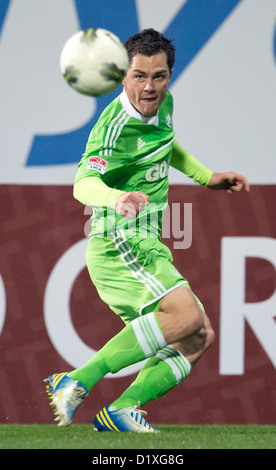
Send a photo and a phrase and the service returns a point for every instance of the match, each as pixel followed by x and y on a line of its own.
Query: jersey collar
pixel 133 113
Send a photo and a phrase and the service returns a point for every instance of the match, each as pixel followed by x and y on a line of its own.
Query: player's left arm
pixel 186 163
pixel 189 165
pixel 230 181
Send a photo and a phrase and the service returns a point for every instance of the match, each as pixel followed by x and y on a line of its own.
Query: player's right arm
pixel 92 191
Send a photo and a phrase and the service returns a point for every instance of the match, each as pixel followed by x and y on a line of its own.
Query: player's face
pixel 147 81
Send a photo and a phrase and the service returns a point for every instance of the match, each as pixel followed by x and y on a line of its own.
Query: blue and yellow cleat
pixel 122 420
pixel 65 396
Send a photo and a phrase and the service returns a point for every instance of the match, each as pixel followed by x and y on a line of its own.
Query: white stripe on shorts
pixel 137 270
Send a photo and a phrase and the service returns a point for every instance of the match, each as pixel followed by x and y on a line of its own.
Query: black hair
pixel 150 42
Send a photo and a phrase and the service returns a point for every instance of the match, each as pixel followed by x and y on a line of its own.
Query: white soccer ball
pixel 94 62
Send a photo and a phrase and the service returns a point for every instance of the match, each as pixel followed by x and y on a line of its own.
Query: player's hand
pixel 130 204
pixel 230 181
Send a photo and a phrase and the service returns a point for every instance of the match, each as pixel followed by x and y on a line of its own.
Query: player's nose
pixel 149 86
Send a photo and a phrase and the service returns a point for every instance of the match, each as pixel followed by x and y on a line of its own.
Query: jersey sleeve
pixel 97 158
pixel 186 163
pixel 92 191
pixel 92 163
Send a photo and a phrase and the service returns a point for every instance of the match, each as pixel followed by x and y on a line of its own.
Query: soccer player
pixel 123 175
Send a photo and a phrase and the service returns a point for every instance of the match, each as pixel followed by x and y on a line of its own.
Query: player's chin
pixel 149 107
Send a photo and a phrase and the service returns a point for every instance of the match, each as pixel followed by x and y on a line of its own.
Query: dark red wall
pixel 40 223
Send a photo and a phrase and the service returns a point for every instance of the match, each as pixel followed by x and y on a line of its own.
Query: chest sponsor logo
pixel 97 163
pixel 157 171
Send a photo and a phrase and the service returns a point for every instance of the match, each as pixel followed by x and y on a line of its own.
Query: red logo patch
pixel 97 163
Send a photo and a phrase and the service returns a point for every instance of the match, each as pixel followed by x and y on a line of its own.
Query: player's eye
pixel 160 77
pixel 139 77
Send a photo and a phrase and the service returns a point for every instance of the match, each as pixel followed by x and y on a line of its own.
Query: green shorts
pixel 132 275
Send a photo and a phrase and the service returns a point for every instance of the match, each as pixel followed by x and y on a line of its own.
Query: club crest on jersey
pixel 168 120
pixel 97 163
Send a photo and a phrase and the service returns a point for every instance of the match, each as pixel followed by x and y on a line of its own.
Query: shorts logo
pixel 175 272
pixel 97 163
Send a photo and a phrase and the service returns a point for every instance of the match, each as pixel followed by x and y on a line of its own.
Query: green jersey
pixel 131 153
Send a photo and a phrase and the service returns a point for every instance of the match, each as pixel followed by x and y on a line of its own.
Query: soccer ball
pixel 94 62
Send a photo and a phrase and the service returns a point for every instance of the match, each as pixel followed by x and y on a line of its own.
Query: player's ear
pixel 170 76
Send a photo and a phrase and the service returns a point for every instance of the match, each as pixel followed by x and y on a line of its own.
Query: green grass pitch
pixel 82 436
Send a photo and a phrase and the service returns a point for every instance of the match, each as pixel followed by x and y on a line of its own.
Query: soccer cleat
pixel 65 396
pixel 122 420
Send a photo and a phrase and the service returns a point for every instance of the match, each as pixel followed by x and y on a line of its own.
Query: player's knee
pixel 192 323
pixel 205 337
pixel 210 336
pixel 197 319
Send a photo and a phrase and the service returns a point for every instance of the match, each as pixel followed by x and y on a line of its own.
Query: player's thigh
pixel 131 275
pixel 184 309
